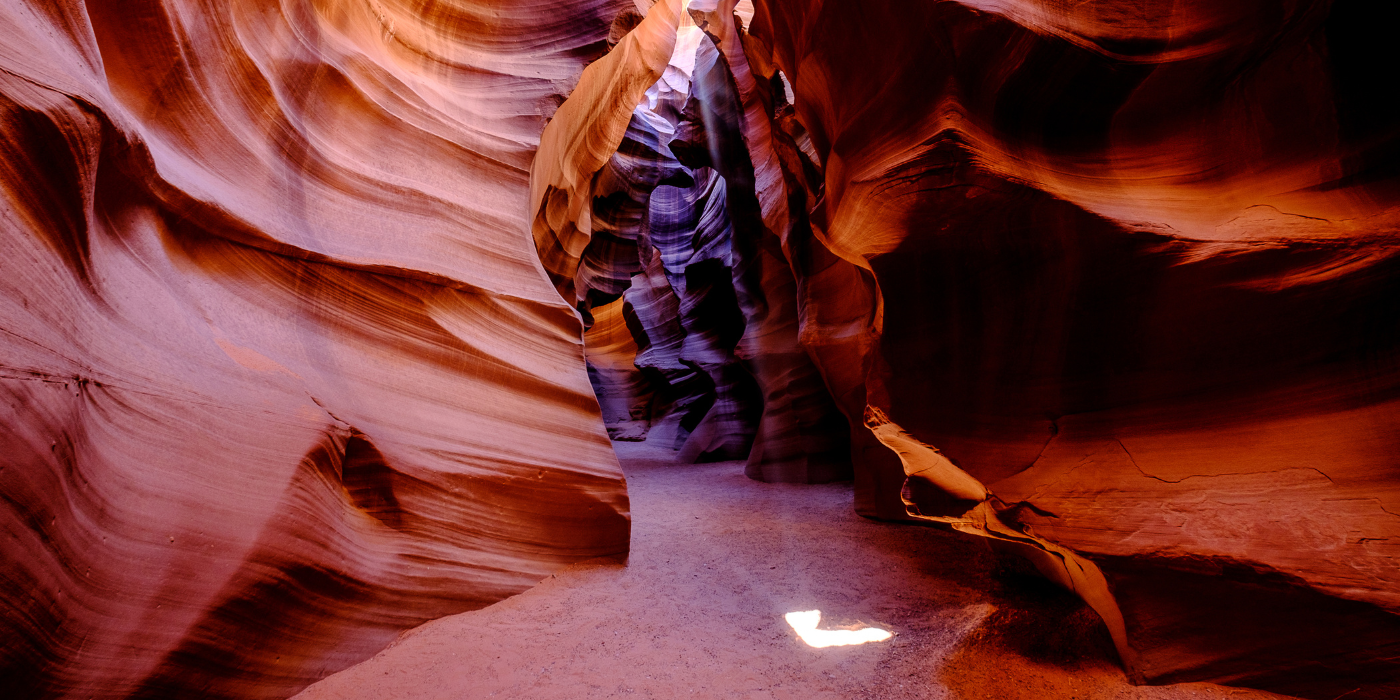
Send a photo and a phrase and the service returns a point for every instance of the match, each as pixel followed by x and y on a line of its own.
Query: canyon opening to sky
pixel 699 348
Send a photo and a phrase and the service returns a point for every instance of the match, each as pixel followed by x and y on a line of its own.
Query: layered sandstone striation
pixel 293 349
pixel 1116 285
pixel 675 221
pixel 282 376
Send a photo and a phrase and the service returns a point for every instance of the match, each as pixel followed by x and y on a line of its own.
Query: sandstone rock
pixel 1112 285
pixel 281 374
pixel 624 395
pixel 1134 270
pixel 674 221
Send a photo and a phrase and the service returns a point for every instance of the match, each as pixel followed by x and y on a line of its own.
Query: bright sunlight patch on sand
pixel 805 624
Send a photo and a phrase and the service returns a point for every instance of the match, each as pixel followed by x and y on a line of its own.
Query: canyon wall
pixel 646 189
pixel 281 374
pixel 293 353
pixel 1116 285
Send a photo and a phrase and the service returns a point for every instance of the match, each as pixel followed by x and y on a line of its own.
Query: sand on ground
pixel 698 611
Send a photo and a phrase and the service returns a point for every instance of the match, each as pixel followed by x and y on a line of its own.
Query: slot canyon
pixel 780 349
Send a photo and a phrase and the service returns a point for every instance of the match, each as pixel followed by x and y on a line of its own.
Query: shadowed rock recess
pixel 317 315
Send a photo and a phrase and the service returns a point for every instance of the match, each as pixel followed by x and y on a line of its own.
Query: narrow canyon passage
pixel 323 324
pixel 717 561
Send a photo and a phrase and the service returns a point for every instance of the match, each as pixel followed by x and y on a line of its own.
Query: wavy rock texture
pixel 282 376
pixel 684 392
pixel 801 434
pixel 1111 285
pixel 659 224
pixel 1132 268
pixel 672 220
pixel 624 394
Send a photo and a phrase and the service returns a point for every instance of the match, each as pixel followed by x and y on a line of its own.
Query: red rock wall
pixel 625 395
pixel 650 185
pixel 1133 268
pixel 281 373
pixel 1112 285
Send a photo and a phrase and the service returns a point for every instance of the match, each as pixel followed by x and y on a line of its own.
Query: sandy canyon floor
pixel 698 611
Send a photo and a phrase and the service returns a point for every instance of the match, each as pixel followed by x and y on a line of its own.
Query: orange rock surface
pixel 291 330
pixel 1133 268
pixel 281 373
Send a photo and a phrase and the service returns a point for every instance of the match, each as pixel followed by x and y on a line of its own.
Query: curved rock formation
pixel 1113 285
pixel 674 218
pixel 1133 268
pixel 282 376
pixel 624 394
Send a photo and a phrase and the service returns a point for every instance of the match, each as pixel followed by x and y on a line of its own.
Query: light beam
pixel 805 623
